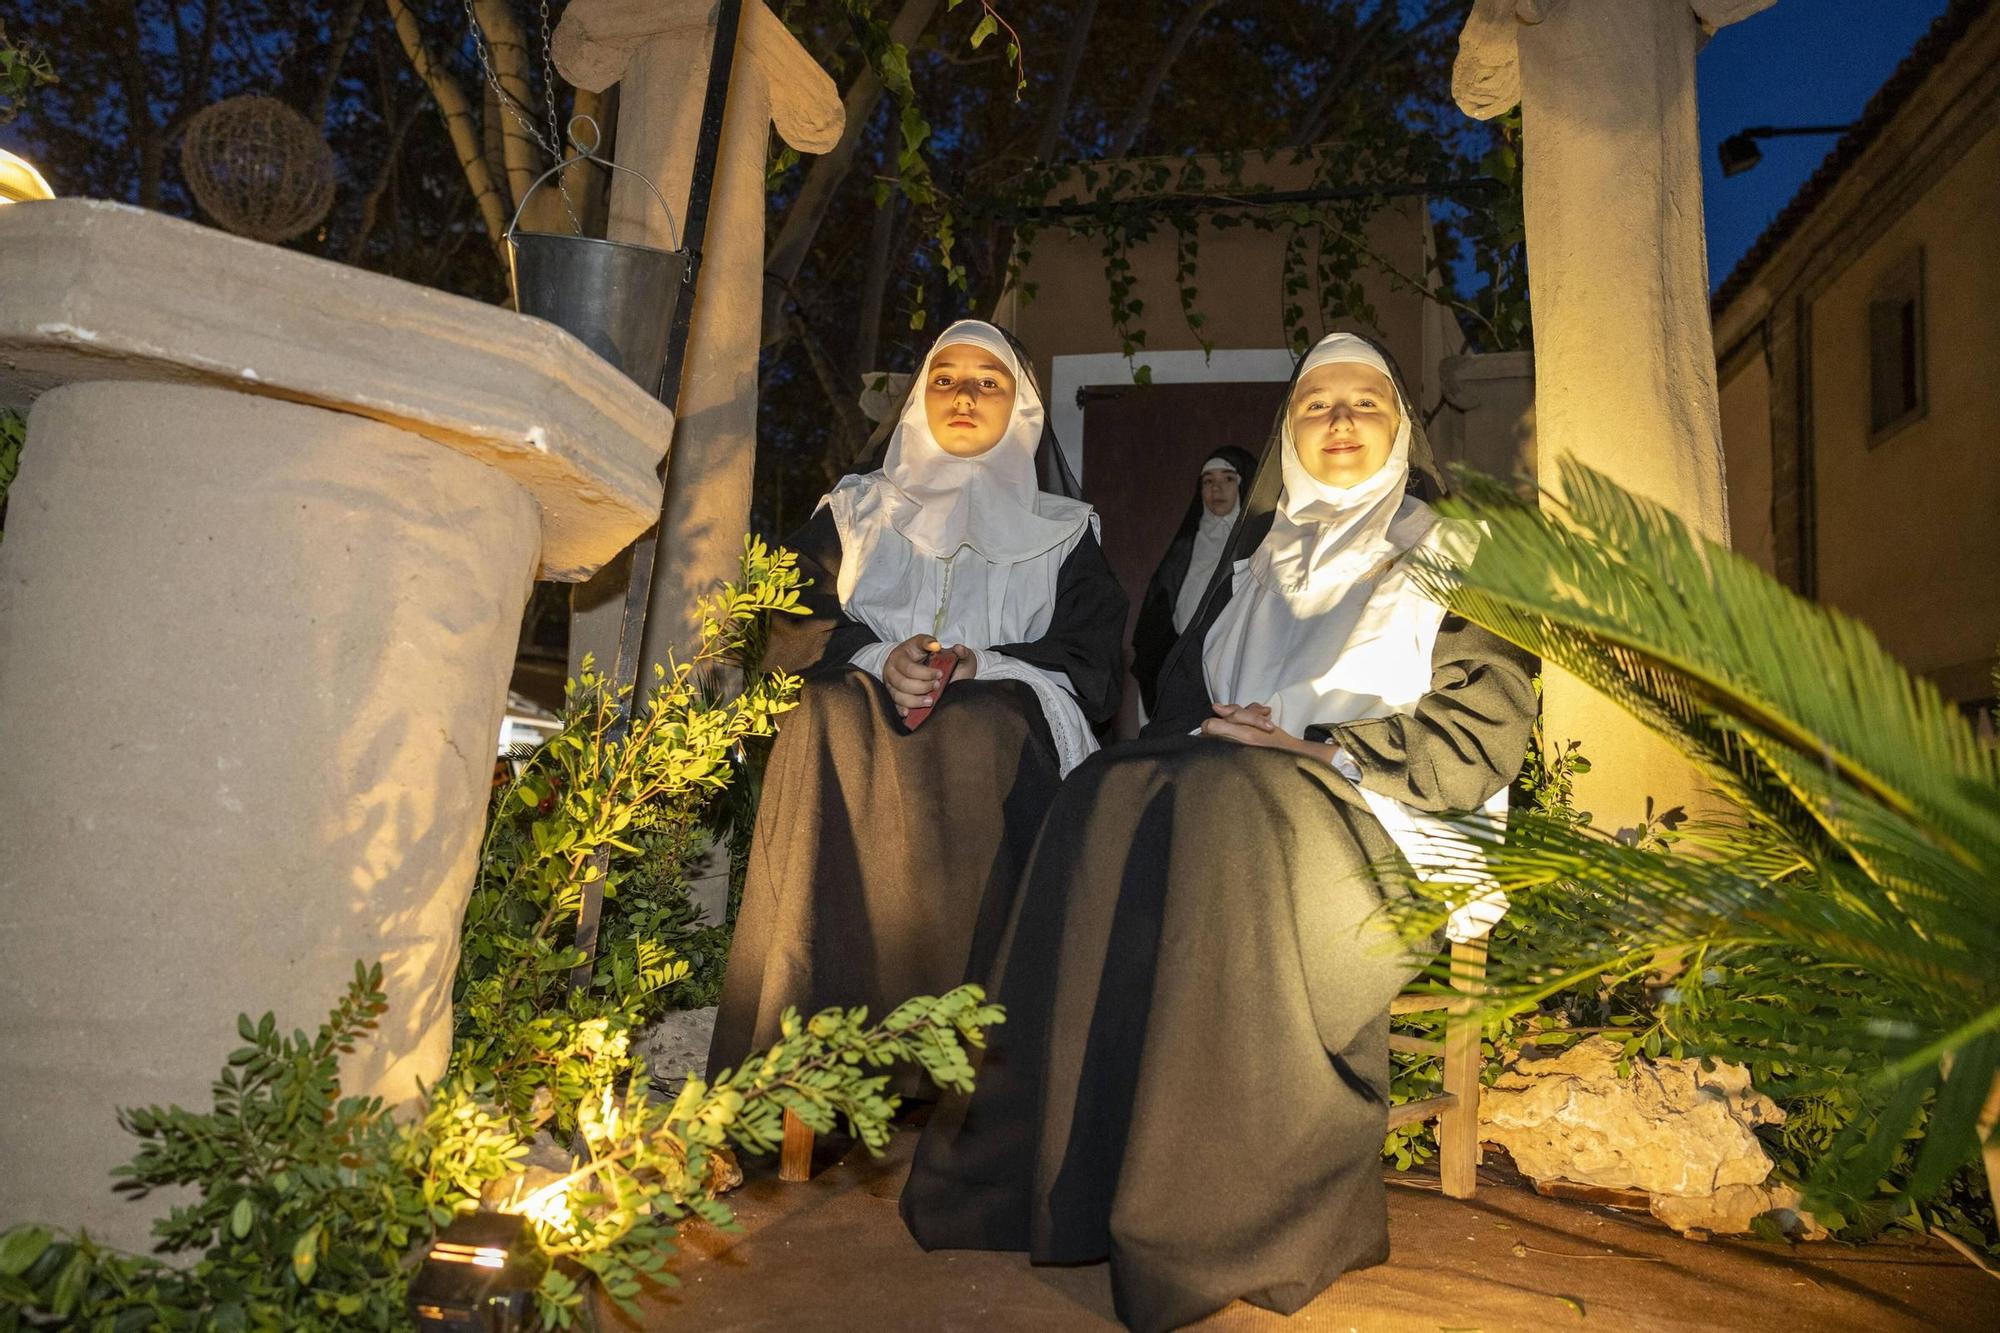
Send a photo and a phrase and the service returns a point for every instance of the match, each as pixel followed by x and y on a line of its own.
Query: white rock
pixel 1683 1134
pixel 677 1045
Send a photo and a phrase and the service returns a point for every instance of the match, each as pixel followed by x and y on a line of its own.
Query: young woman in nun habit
pixel 877 842
pixel 1190 562
pixel 1193 1079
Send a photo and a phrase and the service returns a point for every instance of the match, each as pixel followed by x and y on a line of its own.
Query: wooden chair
pixel 1456 1109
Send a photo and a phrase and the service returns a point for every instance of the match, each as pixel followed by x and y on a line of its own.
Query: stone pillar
pixel 1618 280
pixel 265 565
pixel 658 51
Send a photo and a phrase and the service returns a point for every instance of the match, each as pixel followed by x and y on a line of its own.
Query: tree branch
pixel 458 122
pixel 787 252
pixel 850 427
pixel 508 49
pixel 343 37
pixel 1149 91
pixel 1050 137
pixel 1313 123
pixel 875 284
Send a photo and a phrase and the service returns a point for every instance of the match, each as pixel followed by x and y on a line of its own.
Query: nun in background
pixel 1193 1079
pixel 1190 561
pixel 876 842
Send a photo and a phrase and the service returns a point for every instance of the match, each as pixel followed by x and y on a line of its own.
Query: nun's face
pixel 1344 419
pixel 1218 490
pixel 968 399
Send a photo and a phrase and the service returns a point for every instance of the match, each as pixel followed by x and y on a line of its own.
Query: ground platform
pixel 832 1255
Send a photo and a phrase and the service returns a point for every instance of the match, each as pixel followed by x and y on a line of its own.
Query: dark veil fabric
pixel 1182 693
pixel 1052 472
pixel 1153 635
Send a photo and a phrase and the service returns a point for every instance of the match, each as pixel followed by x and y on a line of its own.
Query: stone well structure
pixel 264 570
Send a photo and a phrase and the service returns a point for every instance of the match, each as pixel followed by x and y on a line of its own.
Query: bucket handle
pixel 590 155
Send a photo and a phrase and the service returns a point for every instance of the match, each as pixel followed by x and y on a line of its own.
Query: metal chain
pixel 553 145
pixel 555 121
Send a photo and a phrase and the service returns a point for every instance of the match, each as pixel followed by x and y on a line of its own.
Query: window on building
pixel 1896 349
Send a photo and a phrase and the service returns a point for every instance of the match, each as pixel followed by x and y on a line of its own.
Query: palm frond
pixel 1851 918
pixel 1706 648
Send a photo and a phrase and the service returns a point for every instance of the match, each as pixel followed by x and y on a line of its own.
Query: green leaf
pixel 20 1247
pixel 305 1255
pixel 987 27
pixel 70 1286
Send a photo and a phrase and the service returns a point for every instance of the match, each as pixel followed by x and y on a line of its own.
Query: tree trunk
pixel 343 37
pixel 875 285
pixel 787 252
pixel 1149 91
pixel 519 151
pixel 1049 141
pixel 148 146
pixel 458 122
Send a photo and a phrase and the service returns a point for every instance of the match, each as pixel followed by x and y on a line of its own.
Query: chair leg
pixel 1458 1128
pixel 795 1159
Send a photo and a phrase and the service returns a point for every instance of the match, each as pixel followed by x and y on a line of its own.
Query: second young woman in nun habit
pixel 1193 1078
pixel 1191 559
pixel 876 842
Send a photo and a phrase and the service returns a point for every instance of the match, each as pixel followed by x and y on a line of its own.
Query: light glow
pixel 19 181
pixel 485 1256
pixel 548 1206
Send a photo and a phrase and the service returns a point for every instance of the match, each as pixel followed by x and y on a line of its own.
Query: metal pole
pixel 622 671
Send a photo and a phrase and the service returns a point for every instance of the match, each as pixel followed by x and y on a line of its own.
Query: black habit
pixel 1192 1080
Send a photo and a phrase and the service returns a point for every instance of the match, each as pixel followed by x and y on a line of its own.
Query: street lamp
pixel 19 181
pixel 1739 152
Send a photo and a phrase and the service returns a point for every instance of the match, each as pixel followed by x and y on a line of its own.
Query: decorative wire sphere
pixel 258 167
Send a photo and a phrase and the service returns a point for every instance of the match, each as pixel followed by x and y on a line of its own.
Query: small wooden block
pixel 795 1159
pixel 1411 1112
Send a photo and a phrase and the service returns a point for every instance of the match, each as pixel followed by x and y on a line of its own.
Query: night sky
pixel 1800 62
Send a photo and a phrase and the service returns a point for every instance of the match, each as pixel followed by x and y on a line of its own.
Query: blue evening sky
pixel 1800 62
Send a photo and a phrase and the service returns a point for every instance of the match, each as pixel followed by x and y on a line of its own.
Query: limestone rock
pixel 1684 1135
pixel 1733 1208
pixel 677 1045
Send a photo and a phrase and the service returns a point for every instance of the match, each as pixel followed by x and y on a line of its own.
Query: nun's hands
pixel 1250 724
pixel 912 683
pixel 968 662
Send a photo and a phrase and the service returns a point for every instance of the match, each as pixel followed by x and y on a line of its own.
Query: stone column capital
pixel 103 291
pixel 595 42
pixel 1486 77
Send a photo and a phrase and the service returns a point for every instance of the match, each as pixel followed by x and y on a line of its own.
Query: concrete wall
pixel 1909 526
pixel 1746 446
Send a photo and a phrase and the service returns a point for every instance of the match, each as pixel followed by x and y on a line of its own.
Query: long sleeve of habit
pixel 1467 736
pixel 1086 635
pixel 825 633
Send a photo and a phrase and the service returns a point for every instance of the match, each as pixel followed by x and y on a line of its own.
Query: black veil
pixel 1182 691
pixel 1052 472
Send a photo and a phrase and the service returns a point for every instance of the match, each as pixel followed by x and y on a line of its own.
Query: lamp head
pixel 1739 153
pixel 479 1276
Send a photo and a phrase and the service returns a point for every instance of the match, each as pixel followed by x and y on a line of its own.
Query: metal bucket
pixel 616 297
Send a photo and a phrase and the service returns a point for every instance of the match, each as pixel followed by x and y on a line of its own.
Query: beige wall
pixel 1746 447
pixel 1909 529
pixel 1240 281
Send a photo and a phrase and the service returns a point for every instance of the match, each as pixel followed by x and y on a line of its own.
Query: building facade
pixel 1859 364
